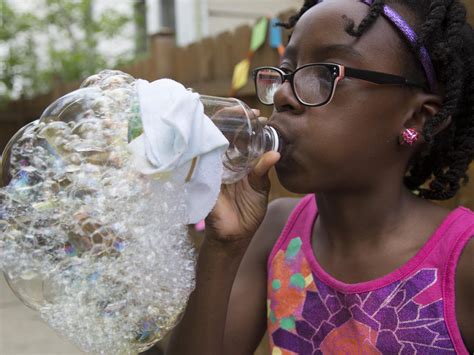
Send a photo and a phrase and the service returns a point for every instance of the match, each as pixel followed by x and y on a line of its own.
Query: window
pixel 167 12
pixel 139 14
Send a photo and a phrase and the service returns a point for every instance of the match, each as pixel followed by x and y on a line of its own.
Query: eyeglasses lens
pixel 313 84
pixel 268 81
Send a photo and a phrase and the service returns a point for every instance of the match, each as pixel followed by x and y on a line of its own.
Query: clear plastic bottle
pixel 112 94
pixel 248 137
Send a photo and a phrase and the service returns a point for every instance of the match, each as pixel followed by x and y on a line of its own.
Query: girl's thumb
pixel 258 178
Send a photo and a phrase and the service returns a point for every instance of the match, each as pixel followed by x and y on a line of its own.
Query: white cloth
pixel 175 131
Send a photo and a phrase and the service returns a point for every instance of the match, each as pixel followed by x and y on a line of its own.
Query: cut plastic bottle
pixel 248 138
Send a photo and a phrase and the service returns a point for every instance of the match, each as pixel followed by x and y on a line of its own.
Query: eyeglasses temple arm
pixel 380 78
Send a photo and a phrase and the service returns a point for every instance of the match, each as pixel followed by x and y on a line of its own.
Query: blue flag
pixel 275 34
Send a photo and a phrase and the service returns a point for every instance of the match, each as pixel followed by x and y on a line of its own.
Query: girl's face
pixel 349 144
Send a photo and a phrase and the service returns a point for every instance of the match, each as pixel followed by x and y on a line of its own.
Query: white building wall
pixel 191 21
pixel 153 9
pixel 225 15
pixel 196 19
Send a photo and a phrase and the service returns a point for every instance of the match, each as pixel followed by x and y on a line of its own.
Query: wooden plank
pixel 265 56
pixel 206 62
pixel 222 54
pixel 7 131
pixel 193 62
pixel 42 102
pixel 163 55
pixel 181 61
pixel 240 44
pixel 149 70
pixel 221 87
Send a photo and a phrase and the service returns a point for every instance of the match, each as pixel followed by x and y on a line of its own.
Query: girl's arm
pixel 246 314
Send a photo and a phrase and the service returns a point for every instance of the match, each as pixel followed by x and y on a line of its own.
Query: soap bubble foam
pixel 98 249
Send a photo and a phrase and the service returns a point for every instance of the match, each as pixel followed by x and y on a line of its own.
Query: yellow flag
pixel 241 75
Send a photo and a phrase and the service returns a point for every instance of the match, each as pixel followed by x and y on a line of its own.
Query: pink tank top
pixel 409 311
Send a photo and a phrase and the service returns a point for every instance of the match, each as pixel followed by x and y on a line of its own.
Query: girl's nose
pixel 285 100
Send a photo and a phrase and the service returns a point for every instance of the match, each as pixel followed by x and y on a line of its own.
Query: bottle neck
pixel 272 139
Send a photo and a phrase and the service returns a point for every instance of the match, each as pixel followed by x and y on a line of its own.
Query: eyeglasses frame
pixel 339 72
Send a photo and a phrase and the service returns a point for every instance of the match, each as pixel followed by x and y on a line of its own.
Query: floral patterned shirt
pixel 409 311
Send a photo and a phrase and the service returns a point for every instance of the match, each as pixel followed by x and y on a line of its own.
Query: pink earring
pixel 409 137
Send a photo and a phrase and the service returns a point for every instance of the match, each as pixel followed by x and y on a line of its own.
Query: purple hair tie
pixel 410 34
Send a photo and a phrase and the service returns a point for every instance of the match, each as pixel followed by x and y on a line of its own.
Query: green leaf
pixel 71 35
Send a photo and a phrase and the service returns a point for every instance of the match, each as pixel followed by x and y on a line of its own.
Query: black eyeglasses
pixel 314 84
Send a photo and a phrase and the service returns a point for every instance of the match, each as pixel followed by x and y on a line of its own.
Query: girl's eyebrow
pixel 326 51
pixel 337 50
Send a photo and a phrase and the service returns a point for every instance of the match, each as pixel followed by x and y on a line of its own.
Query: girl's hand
pixel 241 207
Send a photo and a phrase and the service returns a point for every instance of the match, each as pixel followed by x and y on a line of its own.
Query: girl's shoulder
pixel 278 213
pixel 460 222
pixel 467 213
pixel 462 264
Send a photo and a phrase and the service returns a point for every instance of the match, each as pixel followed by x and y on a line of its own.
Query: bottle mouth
pixel 275 139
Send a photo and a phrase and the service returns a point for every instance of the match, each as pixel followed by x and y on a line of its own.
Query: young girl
pixel 374 101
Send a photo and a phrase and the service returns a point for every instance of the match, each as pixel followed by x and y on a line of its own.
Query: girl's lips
pixel 281 133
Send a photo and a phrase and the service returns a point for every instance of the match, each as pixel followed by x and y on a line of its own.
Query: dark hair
pixel 436 172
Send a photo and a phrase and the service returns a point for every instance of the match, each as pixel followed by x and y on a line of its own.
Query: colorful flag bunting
pixel 241 75
pixel 275 34
pixel 259 34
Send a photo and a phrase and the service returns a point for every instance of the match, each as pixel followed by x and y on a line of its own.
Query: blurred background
pixel 47 47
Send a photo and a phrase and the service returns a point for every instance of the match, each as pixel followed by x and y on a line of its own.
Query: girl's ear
pixel 425 107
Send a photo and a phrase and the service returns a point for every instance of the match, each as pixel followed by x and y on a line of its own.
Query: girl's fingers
pixel 266 162
pixel 256 112
pixel 258 178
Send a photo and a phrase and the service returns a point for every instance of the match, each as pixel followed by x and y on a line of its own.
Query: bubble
pixel 98 249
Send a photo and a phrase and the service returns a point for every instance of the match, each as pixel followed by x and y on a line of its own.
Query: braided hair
pixel 437 171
